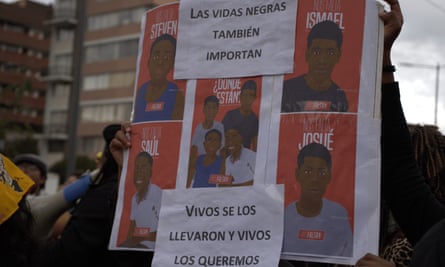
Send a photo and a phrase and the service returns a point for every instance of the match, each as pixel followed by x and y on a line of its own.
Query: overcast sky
pixel 421 42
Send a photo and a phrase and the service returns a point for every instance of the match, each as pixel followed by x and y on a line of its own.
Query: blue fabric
pixel 77 189
pixel 203 173
pixel 167 99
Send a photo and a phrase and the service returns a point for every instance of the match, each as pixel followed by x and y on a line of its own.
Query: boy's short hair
pixel 211 98
pixel 213 131
pixel 145 154
pixel 314 150
pixel 249 84
pixel 328 30
pixel 164 37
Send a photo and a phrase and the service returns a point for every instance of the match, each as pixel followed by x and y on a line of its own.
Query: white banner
pixel 235 38
pixel 220 227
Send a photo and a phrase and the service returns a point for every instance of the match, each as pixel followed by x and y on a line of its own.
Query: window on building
pixel 106 113
pixel 14 27
pixel 91 145
pixel 128 48
pixel 108 80
pixel 12 48
pixel 96 82
pixel 65 35
pixel 35 94
pixel 111 51
pixel 63 60
pixel 122 79
pixel 62 64
pixel 115 19
pixel 58 117
pixel 60 90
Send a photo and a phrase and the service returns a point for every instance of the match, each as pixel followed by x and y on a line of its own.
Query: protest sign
pixel 235 38
pixel 220 227
pixel 317 120
pixel 326 129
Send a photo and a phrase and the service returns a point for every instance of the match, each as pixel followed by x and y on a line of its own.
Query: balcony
pixel 59 73
pixel 64 17
pixel 19 79
pixel 24 60
pixel 25 40
pixel 53 129
pixel 9 98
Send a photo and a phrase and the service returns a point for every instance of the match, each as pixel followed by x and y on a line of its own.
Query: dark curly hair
pixel 17 243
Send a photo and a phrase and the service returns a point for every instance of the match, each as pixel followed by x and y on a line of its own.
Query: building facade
pixel 24 50
pixel 105 92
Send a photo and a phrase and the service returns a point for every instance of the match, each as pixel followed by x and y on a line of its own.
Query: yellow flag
pixel 14 185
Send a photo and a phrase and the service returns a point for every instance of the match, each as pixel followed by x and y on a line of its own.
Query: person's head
pixel 210 109
pixel 233 141
pixel 212 141
pixel 33 166
pixel 323 48
pixel 248 94
pixel 109 166
pixel 314 170
pixel 142 170
pixel 162 57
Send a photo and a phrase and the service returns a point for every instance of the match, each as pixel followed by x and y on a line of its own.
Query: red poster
pixel 316 163
pixel 157 96
pixel 161 141
pixel 231 108
pixel 332 52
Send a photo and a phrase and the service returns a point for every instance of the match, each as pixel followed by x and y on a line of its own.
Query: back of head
pixel 429 151
pixel 109 166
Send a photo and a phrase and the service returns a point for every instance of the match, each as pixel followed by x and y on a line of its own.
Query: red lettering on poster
pixel 154 106
pixel 317 106
pixel 220 179
pixel 311 234
pixel 141 231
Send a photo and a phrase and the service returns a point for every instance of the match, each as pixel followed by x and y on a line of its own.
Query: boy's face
pixel 142 173
pixel 161 60
pixel 233 140
pixel 314 177
pixel 247 97
pixel 212 143
pixel 210 110
pixel 321 57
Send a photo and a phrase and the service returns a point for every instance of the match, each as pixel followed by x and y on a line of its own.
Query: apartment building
pixel 24 50
pixel 109 53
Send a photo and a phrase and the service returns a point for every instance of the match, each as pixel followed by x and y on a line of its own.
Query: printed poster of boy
pixel 157 97
pixel 328 53
pixel 316 163
pixel 151 167
pixel 224 132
